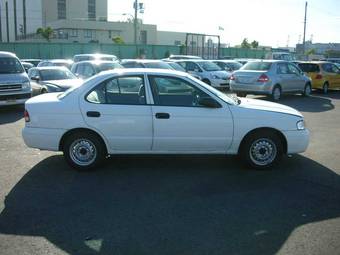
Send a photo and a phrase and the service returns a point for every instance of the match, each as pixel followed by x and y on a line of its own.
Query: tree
pixel 245 44
pixel 45 32
pixel 118 40
pixel 254 44
pixel 310 52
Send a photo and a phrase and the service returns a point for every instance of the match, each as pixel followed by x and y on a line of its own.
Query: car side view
pixel 153 111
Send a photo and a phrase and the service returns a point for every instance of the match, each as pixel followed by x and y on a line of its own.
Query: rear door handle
pixel 162 115
pixel 93 114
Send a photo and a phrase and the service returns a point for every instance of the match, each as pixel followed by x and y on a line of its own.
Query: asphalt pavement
pixel 174 204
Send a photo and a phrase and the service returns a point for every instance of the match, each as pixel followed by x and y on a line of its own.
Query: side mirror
pixel 209 102
pixel 35 78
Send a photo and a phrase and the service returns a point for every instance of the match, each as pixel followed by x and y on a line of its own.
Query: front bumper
pixel 297 140
pixel 14 99
pixel 220 83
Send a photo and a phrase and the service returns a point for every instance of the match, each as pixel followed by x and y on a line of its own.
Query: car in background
pixel 33 61
pixel 209 72
pixel 56 62
pixel 270 77
pixel 98 56
pixel 177 57
pixel 324 75
pixel 145 63
pixel 149 111
pixel 15 87
pixel 228 65
pixel 27 66
pixel 52 79
pixel 87 69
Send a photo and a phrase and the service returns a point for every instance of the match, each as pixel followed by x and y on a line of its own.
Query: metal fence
pixel 68 50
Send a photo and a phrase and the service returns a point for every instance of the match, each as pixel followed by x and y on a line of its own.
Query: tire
pixel 261 150
pixel 325 88
pixel 276 93
pixel 307 90
pixel 206 81
pixel 84 151
pixel 241 94
pixel 43 91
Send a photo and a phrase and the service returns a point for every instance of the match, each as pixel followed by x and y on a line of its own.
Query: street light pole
pixel 135 5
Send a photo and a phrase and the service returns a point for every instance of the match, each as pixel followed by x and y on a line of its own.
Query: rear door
pixel 181 124
pixel 117 108
pixel 297 82
pixel 284 76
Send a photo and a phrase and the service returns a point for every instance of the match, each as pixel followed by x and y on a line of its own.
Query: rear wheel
pixel 84 151
pixel 262 150
pixel 325 88
pixel 276 93
pixel 307 90
pixel 241 94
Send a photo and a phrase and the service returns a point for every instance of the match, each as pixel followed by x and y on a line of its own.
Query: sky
pixel 271 22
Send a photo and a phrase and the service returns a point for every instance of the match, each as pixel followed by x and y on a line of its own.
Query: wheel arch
pixel 77 130
pixel 265 129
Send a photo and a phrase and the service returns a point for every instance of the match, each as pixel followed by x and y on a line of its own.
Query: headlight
pixel 300 125
pixel 26 85
pixel 216 77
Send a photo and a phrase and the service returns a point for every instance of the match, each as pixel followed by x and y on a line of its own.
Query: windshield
pixel 177 67
pixel 235 66
pixel 159 65
pixel 56 74
pixel 209 66
pixel 10 65
pixel 257 66
pixel 108 66
pixel 228 98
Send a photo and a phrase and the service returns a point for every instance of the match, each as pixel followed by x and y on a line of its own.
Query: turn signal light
pixel 263 78
pixel 26 116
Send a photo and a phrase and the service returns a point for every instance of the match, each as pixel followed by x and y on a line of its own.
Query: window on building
pixel 61 9
pixel 178 43
pixel 74 33
pixel 91 9
pixel 88 33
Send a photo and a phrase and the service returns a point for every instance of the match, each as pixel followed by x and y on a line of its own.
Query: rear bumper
pixel 42 138
pixel 260 89
pixel 14 99
pixel 297 141
pixel 220 83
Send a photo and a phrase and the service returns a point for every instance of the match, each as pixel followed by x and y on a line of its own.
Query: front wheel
pixel 262 150
pixel 84 151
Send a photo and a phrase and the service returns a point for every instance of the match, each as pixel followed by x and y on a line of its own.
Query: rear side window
pixel 128 90
pixel 257 66
pixel 309 68
pixel 330 68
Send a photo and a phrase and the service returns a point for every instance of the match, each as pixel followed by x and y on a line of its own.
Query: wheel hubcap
pixel 83 152
pixel 263 151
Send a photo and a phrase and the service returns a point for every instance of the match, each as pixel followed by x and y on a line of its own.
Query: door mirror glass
pixel 208 102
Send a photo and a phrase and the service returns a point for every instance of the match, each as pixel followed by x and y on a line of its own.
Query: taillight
pixel 263 78
pixel 232 78
pixel 26 116
pixel 318 77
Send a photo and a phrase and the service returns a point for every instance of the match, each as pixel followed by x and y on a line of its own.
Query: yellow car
pixel 324 75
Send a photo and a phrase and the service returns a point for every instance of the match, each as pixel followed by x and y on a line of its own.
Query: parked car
pixel 324 75
pixel 87 69
pixel 27 66
pixel 178 67
pixel 270 77
pixel 56 62
pixel 228 65
pixel 208 72
pixel 177 57
pixel 145 63
pixel 52 79
pixel 149 111
pixel 88 57
pixel 15 86
pixel 33 61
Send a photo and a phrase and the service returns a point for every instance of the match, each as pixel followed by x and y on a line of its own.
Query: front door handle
pixel 93 114
pixel 162 115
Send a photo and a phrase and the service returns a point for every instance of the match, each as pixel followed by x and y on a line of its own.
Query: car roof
pixel 143 60
pixel 4 54
pixel 95 54
pixel 49 68
pixel 155 71
pixel 96 62
pixel 314 62
pixel 58 60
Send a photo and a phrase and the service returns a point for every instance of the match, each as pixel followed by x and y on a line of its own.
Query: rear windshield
pixel 56 74
pixel 309 68
pixel 177 67
pixel 10 65
pixel 257 66
pixel 160 65
pixel 209 66
pixel 108 66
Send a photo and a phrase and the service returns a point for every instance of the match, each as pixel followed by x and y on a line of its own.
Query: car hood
pixel 13 78
pixel 221 74
pixel 268 106
pixel 65 84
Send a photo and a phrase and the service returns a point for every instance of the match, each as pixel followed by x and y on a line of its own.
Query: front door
pixel 117 109
pixel 181 124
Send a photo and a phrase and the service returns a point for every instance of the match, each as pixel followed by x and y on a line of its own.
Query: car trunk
pixel 248 77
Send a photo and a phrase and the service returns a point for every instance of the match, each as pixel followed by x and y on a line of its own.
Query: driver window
pixel 190 66
pixel 169 91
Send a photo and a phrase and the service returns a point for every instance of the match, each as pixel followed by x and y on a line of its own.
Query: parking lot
pixel 174 204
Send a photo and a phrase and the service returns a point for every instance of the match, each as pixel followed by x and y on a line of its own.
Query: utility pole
pixel 0 24
pixel 24 16
pixel 304 30
pixel 7 24
pixel 15 20
pixel 135 6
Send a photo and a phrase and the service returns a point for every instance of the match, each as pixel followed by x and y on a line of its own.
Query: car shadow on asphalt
pixel 10 114
pixel 170 205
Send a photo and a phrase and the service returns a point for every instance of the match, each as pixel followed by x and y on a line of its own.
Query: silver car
pixel 270 77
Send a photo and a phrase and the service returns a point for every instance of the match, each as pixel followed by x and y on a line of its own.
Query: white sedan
pixel 149 111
